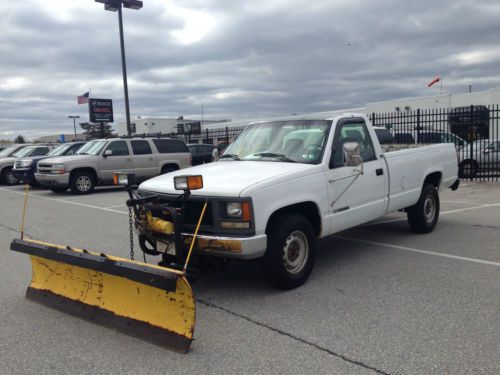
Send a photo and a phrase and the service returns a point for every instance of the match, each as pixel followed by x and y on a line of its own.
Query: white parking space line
pixel 67 202
pixel 411 249
pixel 119 205
pixel 462 202
pixel 441 213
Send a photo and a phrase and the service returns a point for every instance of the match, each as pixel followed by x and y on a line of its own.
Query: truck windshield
pixel 25 151
pixel 8 151
pixel 299 141
pixel 92 148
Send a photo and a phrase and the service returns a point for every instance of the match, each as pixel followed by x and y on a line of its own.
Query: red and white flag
pixel 435 80
pixel 82 99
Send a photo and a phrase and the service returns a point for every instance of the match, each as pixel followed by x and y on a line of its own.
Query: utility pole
pixel 74 123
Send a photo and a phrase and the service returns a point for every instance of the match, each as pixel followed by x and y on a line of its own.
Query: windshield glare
pixel 7 151
pixel 25 151
pixel 92 148
pixel 301 141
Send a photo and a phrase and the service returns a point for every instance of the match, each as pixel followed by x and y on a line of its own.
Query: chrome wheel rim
pixel 429 208
pixel 295 252
pixel 83 183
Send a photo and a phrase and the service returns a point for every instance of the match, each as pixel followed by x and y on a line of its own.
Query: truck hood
pixel 64 159
pixel 7 161
pixel 226 178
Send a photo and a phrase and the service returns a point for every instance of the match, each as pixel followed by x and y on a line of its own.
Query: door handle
pixel 129 159
pixel 379 171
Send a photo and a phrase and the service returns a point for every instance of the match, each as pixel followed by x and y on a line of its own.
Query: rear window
pixel 168 146
pixel 141 147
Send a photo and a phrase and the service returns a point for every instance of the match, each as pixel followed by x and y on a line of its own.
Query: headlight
pixel 58 168
pixel 233 209
pixel 238 210
pixel 24 163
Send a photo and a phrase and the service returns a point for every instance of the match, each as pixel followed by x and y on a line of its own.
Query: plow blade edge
pixel 139 299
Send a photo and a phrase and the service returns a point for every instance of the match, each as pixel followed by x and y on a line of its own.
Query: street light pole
pixel 124 68
pixel 74 124
pixel 116 5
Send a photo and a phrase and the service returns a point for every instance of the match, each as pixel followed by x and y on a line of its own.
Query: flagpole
pixel 441 80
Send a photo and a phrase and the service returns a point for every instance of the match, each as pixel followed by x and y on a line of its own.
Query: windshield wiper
pixel 274 155
pixel 230 156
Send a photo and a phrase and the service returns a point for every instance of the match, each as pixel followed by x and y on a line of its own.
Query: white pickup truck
pixel 283 184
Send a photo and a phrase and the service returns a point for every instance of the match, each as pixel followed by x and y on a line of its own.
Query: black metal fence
pixel 473 129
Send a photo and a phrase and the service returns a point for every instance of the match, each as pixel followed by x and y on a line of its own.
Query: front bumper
pixel 52 180
pixel 228 247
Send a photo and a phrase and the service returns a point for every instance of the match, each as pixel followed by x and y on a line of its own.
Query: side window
pixel 119 148
pixel 167 146
pixel 353 132
pixel 141 148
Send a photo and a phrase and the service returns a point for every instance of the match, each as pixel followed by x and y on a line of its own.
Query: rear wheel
pixel 9 178
pixel 289 258
pixel 423 216
pixel 82 183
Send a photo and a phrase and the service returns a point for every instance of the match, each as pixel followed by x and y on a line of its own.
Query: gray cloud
pixel 258 58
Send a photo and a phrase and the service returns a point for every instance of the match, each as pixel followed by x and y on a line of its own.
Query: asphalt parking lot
pixel 381 299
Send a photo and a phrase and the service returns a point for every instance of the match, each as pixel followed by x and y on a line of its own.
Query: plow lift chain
pixel 131 231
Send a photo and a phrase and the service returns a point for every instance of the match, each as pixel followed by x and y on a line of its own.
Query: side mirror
pixel 352 154
pixel 108 153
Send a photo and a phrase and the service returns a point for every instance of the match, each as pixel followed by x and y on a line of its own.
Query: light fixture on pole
pixel 74 124
pixel 113 6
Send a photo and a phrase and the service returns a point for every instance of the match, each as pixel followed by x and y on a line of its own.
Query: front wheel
pixel 289 257
pixel 9 178
pixel 82 183
pixel 423 216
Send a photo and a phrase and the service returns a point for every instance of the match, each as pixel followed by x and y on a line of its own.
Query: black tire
pixel 9 178
pixel 290 238
pixel 468 169
pixel 82 183
pixel 168 169
pixel 33 183
pixel 59 189
pixel 423 216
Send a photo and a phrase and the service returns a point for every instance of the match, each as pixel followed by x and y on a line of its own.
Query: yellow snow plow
pixel 149 301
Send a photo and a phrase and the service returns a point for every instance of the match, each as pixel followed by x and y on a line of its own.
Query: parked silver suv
pixel 95 163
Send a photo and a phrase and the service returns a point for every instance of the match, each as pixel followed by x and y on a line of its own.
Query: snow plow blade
pixel 150 302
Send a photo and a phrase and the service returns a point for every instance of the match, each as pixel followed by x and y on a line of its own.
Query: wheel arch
pixel 433 178
pixel 90 170
pixel 167 165
pixel 308 209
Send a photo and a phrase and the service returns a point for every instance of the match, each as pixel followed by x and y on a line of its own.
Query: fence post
pixel 227 135
pixel 372 118
pixel 471 141
pixel 418 126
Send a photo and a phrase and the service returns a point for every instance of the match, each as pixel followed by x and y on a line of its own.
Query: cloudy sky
pixel 240 59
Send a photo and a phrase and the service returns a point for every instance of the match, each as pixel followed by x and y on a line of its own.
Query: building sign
pixel 100 110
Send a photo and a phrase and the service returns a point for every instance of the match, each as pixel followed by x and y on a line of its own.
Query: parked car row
pixel 82 166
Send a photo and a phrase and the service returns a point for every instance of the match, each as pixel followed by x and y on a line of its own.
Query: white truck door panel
pixel 355 198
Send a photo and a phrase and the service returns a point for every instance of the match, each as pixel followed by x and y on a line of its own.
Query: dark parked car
pixel 25 167
pixel 384 136
pixel 201 153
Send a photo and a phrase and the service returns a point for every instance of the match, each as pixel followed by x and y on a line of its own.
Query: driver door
pixel 355 198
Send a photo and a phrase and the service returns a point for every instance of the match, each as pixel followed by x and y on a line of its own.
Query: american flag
pixel 82 99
